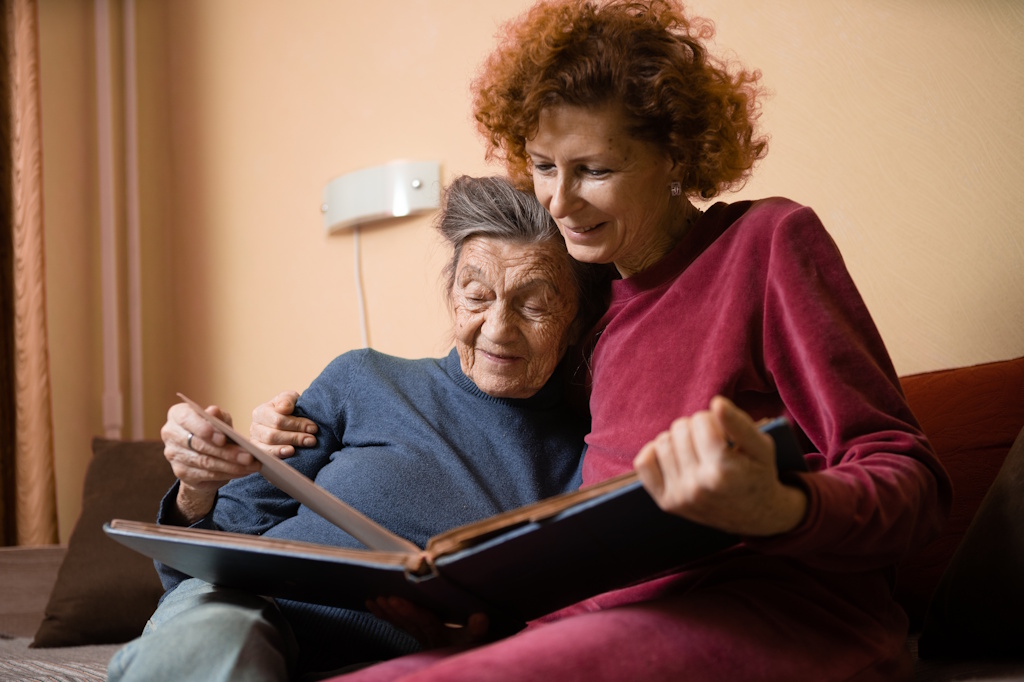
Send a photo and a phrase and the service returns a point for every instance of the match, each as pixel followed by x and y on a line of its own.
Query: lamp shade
pixel 391 190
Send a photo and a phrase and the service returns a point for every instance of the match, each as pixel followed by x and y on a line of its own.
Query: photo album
pixel 514 566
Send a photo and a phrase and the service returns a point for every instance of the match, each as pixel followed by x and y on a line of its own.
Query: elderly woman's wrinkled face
pixel 608 192
pixel 514 305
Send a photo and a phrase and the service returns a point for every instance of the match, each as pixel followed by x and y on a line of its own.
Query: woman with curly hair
pixel 616 116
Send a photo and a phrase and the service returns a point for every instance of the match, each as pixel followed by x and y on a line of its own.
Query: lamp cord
pixel 360 296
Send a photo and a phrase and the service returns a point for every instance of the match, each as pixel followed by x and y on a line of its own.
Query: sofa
pixel 65 609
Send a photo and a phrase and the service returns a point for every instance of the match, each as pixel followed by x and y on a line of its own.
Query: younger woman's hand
pixel 276 431
pixel 717 468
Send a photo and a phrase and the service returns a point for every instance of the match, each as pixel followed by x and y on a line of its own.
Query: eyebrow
pixel 472 270
pixel 590 158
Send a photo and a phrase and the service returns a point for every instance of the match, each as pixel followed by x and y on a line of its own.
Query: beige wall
pixel 896 121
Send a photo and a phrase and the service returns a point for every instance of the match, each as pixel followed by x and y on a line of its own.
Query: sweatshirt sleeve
pixel 877 490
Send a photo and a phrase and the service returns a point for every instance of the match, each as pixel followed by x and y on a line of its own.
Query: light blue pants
pixel 205 633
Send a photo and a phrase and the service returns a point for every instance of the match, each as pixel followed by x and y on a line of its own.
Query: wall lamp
pixel 391 190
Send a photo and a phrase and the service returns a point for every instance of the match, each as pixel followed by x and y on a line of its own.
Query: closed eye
pixel 536 305
pixel 476 296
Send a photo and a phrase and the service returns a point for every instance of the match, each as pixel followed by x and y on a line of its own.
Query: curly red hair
pixel 647 55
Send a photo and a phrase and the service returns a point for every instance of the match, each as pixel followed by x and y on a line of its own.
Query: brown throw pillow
pixel 105 592
pixel 976 611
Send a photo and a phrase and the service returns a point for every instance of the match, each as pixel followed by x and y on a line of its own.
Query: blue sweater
pixel 417 447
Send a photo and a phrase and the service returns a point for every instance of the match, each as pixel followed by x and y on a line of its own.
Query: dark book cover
pixel 514 566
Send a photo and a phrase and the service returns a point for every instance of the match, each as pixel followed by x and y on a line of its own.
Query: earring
pixel 676 188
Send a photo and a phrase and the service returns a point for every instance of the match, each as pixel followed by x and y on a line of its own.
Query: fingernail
pixel 311 428
pixel 309 441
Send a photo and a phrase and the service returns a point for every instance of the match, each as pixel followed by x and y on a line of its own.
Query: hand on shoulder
pixel 276 431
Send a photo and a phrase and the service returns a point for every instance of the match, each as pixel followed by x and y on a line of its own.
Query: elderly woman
pixel 420 446
pixel 617 117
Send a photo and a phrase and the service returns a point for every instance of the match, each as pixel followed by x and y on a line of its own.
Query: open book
pixel 514 566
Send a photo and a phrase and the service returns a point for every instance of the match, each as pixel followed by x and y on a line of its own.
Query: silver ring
pixel 190 434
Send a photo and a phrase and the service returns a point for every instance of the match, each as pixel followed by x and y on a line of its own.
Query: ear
pixel 674 169
pixel 449 303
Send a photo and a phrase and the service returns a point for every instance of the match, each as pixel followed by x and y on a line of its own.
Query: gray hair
pixel 493 207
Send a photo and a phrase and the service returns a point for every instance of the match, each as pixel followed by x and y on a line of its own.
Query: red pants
pixel 781 626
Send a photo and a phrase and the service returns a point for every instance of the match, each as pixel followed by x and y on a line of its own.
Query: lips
pixel 581 230
pixel 498 357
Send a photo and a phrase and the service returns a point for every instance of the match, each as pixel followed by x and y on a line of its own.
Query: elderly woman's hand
pixel 427 628
pixel 718 469
pixel 202 459
pixel 276 431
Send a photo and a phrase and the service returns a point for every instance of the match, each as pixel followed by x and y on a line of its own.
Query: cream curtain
pixel 30 494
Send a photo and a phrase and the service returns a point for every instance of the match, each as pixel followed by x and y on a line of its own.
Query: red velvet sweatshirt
pixel 756 304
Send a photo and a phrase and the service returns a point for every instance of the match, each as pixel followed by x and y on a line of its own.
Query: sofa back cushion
pixel 972 416
pixel 105 592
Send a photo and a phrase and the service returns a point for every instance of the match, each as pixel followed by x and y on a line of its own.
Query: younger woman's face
pixel 608 192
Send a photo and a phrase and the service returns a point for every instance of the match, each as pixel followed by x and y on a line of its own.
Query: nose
pixel 564 199
pixel 499 326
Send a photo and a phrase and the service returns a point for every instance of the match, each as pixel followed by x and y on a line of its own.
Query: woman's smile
pixel 581 230
pixel 499 358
